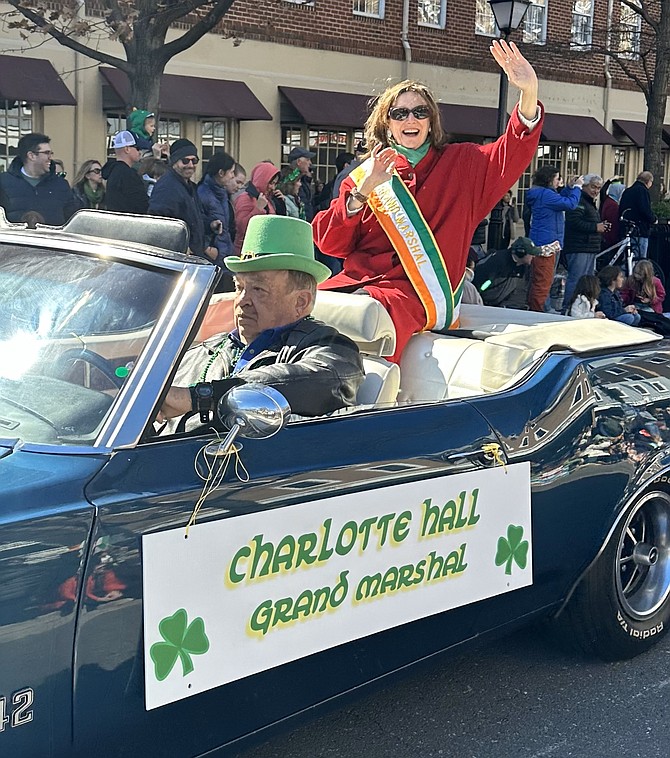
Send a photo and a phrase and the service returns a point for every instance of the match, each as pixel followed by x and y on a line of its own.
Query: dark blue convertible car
pixel 172 593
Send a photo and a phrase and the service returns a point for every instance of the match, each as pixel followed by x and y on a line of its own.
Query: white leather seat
pixel 368 324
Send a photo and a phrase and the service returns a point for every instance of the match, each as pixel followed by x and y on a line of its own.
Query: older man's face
pixel 593 188
pixel 305 166
pixel 264 300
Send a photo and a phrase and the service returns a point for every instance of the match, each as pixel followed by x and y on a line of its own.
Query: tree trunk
pixel 146 65
pixel 656 103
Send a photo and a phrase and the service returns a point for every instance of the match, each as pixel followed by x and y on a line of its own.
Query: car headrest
pixel 359 317
pixel 166 233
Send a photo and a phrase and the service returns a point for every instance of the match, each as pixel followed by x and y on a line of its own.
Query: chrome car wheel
pixel 643 557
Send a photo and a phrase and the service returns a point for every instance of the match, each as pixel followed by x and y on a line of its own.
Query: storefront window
pixel 213 138
pixel 16 119
pixel 620 161
pixel 326 143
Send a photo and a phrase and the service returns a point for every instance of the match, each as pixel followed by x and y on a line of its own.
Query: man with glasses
pixel 175 196
pixel 30 185
pixel 125 191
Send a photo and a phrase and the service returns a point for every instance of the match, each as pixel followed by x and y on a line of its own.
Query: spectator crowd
pixel 558 266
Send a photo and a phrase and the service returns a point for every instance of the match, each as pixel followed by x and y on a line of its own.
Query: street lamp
pixel 508 15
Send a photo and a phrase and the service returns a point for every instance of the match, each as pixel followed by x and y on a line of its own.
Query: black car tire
pixel 621 607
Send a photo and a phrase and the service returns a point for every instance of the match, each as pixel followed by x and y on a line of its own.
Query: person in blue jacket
pixel 547 205
pixel 215 191
pixel 31 184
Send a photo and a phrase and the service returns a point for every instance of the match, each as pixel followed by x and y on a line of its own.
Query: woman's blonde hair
pixel 377 125
pixel 642 280
pixel 86 166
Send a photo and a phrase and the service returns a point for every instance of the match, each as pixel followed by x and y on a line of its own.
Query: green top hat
pixel 278 243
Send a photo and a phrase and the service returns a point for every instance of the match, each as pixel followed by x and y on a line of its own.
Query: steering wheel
pixel 94 359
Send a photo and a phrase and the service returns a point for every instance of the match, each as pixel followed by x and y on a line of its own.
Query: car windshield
pixel 71 329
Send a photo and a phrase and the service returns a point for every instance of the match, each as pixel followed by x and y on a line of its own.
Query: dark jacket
pixel 581 234
pixel 317 369
pixel 547 208
pixel 125 192
pixel 306 195
pixel 500 281
pixel 635 206
pixel 51 197
pixel 610 303
pixel 216 206
pixel 175 198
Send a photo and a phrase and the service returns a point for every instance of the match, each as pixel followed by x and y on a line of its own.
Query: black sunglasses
pixel 194 161
pixel 421 112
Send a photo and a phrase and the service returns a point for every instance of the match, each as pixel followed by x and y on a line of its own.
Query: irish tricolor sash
pixel 401 219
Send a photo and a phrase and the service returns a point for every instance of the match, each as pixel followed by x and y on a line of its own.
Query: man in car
pixel 275 342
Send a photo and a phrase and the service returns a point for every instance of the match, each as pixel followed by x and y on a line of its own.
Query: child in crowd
pixel 643 289
pixel 611 304
pixel 585 298
pixel 151 170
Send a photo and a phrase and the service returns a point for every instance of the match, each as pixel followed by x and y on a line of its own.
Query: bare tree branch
pixel 68 41
pixel 197 31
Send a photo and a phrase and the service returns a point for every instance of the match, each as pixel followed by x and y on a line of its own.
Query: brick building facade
pixel 283 72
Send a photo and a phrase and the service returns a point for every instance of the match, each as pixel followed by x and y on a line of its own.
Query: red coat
pixel 455 188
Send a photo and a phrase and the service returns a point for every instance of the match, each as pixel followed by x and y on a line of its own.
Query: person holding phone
pixel 258 198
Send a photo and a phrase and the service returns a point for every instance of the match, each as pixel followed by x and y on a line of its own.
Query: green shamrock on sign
pixel 512 549
pixel 181 641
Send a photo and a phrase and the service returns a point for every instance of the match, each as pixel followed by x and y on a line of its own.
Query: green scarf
pixel 413 155
pixel 94 196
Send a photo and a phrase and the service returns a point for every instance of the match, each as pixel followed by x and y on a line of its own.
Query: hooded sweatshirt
pixel 125 192
pixel 245 203
pixel 135 124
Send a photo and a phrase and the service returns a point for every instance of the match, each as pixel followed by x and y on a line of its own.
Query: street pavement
pixel 517 697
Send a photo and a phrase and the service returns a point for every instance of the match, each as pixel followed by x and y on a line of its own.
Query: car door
pixel 152 490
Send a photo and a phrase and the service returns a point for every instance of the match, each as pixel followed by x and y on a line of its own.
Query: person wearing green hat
pixel 275 342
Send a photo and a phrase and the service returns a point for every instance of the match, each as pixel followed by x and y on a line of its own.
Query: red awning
pixel 32 80
pixel 321 108
pixel 471 120
pixel 190 95
pixel 579 130
pixel 634 130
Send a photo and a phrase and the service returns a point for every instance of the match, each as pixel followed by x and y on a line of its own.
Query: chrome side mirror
pixel 253 411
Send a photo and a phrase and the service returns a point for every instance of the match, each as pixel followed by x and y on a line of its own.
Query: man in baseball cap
pixel 301 159
pixel 275 342
pixel 125 192
pixel 502 277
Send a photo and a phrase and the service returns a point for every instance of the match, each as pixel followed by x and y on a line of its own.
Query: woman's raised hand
pixel 519 72
pixel 379 169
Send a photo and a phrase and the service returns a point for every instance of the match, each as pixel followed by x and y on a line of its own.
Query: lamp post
pixel 508 15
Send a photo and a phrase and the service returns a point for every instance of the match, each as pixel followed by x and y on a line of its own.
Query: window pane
pixel 582 23
pixel 534 25
pixel 485 22
pixel 630 27
pixel 16 119
pixel 369 7
pixel 432 12
pixel 212 138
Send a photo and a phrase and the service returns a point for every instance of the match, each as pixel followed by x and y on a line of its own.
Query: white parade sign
pixel 244 594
